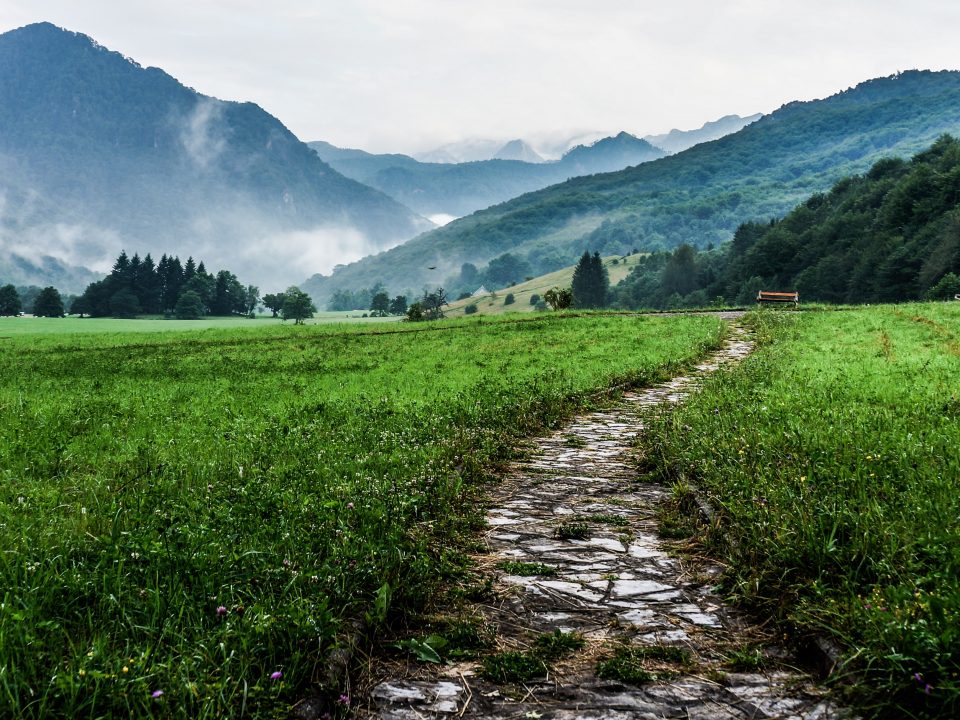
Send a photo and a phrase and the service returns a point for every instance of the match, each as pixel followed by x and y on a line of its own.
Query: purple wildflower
pixel 344 699
pixel 918 677
pixel 221 611
pixel 276 675
pixel 156 693
pixel 928 688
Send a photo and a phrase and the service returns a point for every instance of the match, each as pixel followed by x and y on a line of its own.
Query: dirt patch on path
pixel 575 512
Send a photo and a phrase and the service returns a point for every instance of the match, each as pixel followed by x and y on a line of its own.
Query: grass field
pixel 28 325
pixel 492 303
pixel 187 520
pixel 833 457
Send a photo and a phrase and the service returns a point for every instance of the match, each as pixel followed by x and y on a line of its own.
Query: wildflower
pixel 156 693
pixel 276 675
pixel 82 672
pixel 928 688
pixel 125 669
pixel 344 699
pixel 349 506
pixel 240 610
pixel 221 611
pixel 918 677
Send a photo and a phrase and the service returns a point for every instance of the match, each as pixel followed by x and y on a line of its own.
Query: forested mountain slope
pixel 98 153
pixel 889 235
pixel 699 196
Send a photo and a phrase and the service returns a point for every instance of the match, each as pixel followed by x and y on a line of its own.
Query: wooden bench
pixel 765 296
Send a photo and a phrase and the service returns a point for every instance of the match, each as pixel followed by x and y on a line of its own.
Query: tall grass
pixel 198 515
pixel 834 457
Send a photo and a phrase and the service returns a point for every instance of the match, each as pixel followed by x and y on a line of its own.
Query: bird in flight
pixel 432 267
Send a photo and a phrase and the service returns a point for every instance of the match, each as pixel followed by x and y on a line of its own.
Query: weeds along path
pixel 657 642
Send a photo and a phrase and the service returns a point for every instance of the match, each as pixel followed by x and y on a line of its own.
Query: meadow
pixel 190 521
pixel 832 458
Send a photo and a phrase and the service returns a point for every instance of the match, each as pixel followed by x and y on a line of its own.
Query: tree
pixel 297 306
pixel 124 304
pixel 48 303
pixel 505 269
pixel 509 299
pixel 680 273
pixel 79 306
pixel 946 289
pixel 432 304
pixel 591 284
pixel 189 306
pixel 10 301
pixel 274 302
pixel 380 305
pixel 398 306
pixel 557 298
pixel 251 300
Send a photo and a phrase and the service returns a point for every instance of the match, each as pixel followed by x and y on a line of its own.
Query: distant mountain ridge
pixel 699 196
pixel 460 189
pixel 98 153
pixel 679 140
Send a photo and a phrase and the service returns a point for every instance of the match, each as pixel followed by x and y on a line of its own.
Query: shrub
pixel 509 299
pixel 470 309
pixel 534 299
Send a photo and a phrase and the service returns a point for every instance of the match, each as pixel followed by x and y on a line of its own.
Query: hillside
pixel 492 303
pixel 462 188
pixel 98 153
pixel 699 196
pixel 890 235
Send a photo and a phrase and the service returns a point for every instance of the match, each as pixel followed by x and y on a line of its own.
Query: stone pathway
pixel 617 586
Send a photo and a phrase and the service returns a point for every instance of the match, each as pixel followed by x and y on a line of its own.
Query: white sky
pixel 408 75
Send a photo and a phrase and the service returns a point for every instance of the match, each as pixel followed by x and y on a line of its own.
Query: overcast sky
pixel 408 75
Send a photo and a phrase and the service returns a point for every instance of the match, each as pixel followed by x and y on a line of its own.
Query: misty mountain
pixel 679 140
pixel 460 189
pixel 699 196
pixel 517 150
pixel 18 270
pixel 98 153
pixel 462 151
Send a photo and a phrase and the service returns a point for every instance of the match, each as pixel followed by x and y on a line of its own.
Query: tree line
pixel 138 286
pixel 890 235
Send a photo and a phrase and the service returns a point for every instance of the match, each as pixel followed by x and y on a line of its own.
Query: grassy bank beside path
pixel 833 456
pixel 187 520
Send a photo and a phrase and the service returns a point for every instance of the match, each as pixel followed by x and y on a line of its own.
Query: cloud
pixel 202 133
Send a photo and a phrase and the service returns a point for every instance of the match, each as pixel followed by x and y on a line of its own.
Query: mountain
pixel 517 150
pixel 98 153
pixel 16 269
pixel 889 235
pixel 462 151
pixel 699 196
pixel 679 140
pixel 461 188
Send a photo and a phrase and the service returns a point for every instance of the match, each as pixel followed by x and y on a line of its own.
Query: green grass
pixel 194 512
pixel 526 569
pixel 628 664
pixel 555 645
pixel 833 458
pixel 13 326
pixel 492 302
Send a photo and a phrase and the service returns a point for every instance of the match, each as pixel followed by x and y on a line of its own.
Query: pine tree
pixel 48 303
pixel 591 283
pixel 10 301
